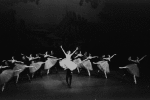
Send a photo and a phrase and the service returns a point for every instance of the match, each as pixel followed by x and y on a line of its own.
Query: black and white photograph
pixel 74 49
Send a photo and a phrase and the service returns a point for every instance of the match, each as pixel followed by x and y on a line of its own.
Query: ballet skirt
pixel 50 62
pixel 67 63
pixel 6 75
pixel 20 67
pixel 87 64
pixel 35 67
pixel 104 66
pixel 133 69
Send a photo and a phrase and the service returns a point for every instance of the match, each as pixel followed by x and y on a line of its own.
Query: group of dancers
pixel 72 61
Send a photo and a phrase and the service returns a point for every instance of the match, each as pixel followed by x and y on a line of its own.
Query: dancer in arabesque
pixel 133 68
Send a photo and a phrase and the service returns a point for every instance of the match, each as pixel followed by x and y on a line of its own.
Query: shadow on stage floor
pixel 54 87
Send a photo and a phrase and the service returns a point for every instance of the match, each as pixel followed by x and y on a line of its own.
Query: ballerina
pixel 77 60
pixel 133 68
pixel 50 62
pixel 67 62
pixel 68 65
pixel 13 61
pixel 103 65
pixel 5 76
pixel 87 63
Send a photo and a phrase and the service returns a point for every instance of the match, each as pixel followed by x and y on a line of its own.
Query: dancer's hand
pixel 77 48
pixel 94 62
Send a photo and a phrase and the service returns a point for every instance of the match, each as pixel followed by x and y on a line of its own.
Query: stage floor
pixel 54 87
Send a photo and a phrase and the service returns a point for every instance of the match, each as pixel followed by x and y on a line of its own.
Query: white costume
pixel 104 66
pixel 133 68
pixel 5 76
pixel 67 63
pixel 35 67
pixel 49 63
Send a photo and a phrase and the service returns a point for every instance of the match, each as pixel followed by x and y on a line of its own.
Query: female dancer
pixel 87 63
pixel 68 65
pixel 50 62
pixel 103 65
pixel 133 68
pixel 77 60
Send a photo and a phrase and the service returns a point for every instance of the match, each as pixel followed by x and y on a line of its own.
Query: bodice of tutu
pixel 68 57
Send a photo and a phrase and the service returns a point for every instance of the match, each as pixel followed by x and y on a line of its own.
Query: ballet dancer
pixel 103 65
pixel 68 65
pixel 133 68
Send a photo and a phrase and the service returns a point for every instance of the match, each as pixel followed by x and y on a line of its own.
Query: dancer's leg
pixel 70 80
pixel 70 77
pixel 67 76
pixel 17 78
pixel 3 87
pixel 88 72
pixel 134 79
pixel 32 75
pixel 78 70
pixel 105 74
pixel 29 77
pixel 48 71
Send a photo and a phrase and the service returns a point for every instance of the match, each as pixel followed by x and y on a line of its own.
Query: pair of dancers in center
pixel 68 65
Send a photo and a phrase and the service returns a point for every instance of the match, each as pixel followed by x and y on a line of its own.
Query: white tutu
pixel 104 66
pixel 35 67
pixel 5 76
pixel 19 67
pixel 78 62
pixel 64 63
pixel 50 62
pixel 133 69
pixel 87 64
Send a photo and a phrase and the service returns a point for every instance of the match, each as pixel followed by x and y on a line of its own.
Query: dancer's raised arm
pixel 74 51
pixel 113 55
pixel 142 58
pixel 63 50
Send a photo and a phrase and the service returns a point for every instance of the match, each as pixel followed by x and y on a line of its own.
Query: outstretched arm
pixel 78 55
pixel 132 60
pixel 74 51
pixel 63 50
pixel 122 67
pixel 142 58
pixel 112 56
pixel 95 62
pixel 90 57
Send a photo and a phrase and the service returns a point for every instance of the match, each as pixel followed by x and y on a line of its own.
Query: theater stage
pixel 54 87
